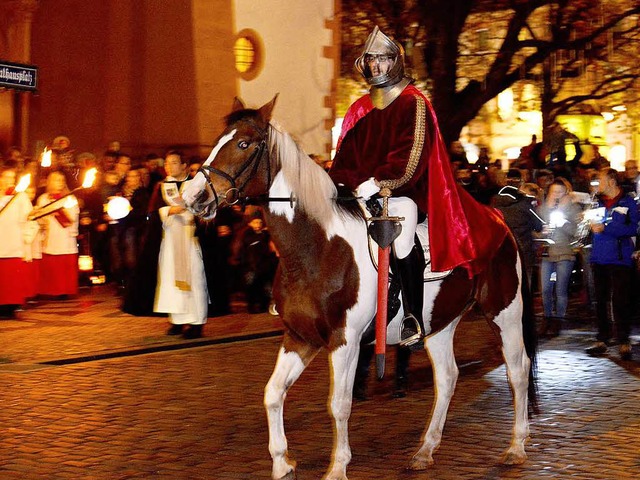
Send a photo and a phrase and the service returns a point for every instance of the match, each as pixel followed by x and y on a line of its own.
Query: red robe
pixel 377 143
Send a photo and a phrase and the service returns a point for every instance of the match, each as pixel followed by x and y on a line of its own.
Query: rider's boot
pixel 411 270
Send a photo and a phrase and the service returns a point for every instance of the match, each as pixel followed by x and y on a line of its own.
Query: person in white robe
pixel 182 289
pixel 15 249
pixel 59 267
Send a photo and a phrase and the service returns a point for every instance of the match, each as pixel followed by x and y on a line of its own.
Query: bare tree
pixel 519 40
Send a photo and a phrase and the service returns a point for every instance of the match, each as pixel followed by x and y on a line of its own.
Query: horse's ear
pixel 238 104
pixel 267 110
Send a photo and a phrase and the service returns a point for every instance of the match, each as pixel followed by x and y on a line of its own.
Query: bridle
pixel 234 194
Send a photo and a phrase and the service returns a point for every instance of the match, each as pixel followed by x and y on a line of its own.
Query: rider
pixel 389 139
pixel 384 150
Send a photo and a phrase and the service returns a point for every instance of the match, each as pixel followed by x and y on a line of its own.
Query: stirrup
pixel 416 337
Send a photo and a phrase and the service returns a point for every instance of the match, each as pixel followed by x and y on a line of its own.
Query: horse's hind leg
pixel 343 365
pixel 288 368
pixel 518 364
pixel 445 372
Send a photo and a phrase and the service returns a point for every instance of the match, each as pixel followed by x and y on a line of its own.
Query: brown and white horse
pixel 325 288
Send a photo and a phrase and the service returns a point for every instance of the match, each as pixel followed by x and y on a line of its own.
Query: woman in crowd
pixel 560 215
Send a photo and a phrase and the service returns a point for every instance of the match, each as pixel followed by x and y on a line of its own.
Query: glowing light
pixel 118 207
pixel 619 108
pixel 505 103
pixel 512 152
pixel 45 158
pixel 557 219
pixel 23 184
pixel 617 156
pixel 89 178
pixel 608 116
pixel 244 51
pixel 85 263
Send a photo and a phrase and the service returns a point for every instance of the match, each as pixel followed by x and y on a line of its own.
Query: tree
pixel 471 50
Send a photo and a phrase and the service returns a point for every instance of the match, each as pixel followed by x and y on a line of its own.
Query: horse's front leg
pixel 518 365
pixel 445 373
pixel 343 364
pixel 287 370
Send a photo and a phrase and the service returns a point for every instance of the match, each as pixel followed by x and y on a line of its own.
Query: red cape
pixel 462 232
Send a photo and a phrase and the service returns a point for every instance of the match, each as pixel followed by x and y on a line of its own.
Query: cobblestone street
pixel 92 393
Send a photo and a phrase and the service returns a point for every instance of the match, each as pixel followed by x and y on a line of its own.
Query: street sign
pixel 16 75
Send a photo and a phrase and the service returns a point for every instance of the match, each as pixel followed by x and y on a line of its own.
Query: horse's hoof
pixel 289 476
pixel 420 464
pixel 285 470
pixel 514 458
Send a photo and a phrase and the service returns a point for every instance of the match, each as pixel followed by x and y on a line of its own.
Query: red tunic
pixel 14 281
pixel 59 274
pixel 377 143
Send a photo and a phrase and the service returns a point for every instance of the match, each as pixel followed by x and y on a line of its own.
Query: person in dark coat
pixel 257 261
pixel 519 211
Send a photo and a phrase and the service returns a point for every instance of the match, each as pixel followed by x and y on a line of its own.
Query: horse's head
pixel 239 164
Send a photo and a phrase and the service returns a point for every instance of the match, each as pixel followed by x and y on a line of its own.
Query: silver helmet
pixel 379 46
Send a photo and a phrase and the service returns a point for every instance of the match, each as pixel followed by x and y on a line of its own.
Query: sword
pixel 384 230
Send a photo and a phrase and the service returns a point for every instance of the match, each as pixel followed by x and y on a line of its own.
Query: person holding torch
pixel 59 274
pixel 14 247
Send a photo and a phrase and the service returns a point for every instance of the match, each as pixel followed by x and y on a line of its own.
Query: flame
pixel 24 182
pixel 45 158
pixel 89 177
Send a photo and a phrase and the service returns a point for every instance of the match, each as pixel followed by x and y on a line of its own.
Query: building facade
pixel 154 75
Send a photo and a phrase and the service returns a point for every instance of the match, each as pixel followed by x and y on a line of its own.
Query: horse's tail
pixel 530 336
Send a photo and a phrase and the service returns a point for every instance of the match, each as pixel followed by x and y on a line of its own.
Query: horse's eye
pixel 243 144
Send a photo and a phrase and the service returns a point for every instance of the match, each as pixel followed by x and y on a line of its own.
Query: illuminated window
pixel 244 53
pixel 248 53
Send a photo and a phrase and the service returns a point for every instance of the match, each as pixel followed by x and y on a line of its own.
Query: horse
pixel 325 286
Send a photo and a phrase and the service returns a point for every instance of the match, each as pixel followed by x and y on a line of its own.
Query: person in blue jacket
pixel 612 262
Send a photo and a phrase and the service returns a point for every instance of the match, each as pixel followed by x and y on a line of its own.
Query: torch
pixel 22 185
pixel 47 209
pixel 45 158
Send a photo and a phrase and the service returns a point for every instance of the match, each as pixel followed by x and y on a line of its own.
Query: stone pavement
pixel 93 325
pixel 91 393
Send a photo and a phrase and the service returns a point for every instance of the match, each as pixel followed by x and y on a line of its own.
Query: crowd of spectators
pixel 55 220
pixel 576 222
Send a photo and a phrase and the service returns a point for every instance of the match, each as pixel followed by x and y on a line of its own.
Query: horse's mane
pixel 313 189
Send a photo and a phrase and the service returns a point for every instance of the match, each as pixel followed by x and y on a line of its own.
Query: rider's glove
pixel 367 188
